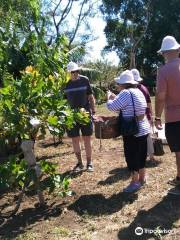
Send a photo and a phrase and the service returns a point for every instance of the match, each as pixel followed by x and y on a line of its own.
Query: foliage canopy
pixel 127 21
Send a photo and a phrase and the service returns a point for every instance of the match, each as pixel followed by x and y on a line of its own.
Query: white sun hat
pixel 136 75
pixel 71 67
pixel 125 77
pixel 169 43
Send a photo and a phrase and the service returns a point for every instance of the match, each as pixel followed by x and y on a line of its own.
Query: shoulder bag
pixel 128 125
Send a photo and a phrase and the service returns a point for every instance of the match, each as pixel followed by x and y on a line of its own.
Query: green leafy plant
pixel 30 106
pixel 14 173
pixel 35 103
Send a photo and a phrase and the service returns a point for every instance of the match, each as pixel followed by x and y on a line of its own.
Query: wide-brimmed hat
pixel 125 77
pixel 136 75
pixel 169 43
pixel 71 67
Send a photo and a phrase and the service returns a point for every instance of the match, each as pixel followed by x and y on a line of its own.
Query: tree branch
pixel 78 23
pixel 65 13
pixel 136 43
pixel 54 15
pixel 148 17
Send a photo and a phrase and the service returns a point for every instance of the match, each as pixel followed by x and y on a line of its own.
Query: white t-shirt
pixel 123 102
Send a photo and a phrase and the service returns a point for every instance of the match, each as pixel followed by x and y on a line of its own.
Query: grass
pixel 102 110
pixel 28 236
pixel 61 231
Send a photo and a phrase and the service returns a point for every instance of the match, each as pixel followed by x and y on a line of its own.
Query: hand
pixel 151 122
pixel 93 112
pixel 158 124
pixel 110 95
pixel 94 117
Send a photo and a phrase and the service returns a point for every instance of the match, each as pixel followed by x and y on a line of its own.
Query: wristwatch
pixel 157 119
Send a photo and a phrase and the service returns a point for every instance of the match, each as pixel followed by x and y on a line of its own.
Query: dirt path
pixel 99 210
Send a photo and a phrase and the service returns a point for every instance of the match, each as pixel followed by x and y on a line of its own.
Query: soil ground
pixel 98 209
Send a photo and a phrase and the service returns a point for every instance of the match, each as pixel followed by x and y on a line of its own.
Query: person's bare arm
pixel 92 103
pixel 150 113
pixel 149 105
pixel 159 106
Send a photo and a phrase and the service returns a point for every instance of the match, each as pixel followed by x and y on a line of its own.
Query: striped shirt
pixel 123 102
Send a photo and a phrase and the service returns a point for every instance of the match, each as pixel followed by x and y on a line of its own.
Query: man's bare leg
pixel 88 150
pixel 77 151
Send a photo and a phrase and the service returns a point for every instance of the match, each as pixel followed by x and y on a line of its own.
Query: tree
pixel 125 28
pixel 137 27
pixel 67 17
pixel 31 33
pixel 34 95
pixel 165 20
pixel 101 75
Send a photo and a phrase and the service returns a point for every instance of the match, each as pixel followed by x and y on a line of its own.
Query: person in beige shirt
pixel 168 98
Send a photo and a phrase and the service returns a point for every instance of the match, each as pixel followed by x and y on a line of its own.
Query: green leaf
pixel 5 90
pixel 8 104
pixel 53 120
pixel 21 183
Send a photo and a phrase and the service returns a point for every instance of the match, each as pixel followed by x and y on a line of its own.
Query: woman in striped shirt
pixel 135 146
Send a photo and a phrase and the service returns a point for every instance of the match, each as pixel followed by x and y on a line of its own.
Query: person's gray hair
pixel 129 85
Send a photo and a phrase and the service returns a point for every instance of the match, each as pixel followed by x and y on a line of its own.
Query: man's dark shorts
pixel 172 132
pixel 86 130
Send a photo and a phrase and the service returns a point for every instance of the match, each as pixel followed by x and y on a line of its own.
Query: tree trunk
pixel 132 60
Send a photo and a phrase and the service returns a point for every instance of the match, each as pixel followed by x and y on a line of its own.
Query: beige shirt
pixel 168 81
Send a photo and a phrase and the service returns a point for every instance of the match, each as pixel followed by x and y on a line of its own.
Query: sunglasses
pixel 74 72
